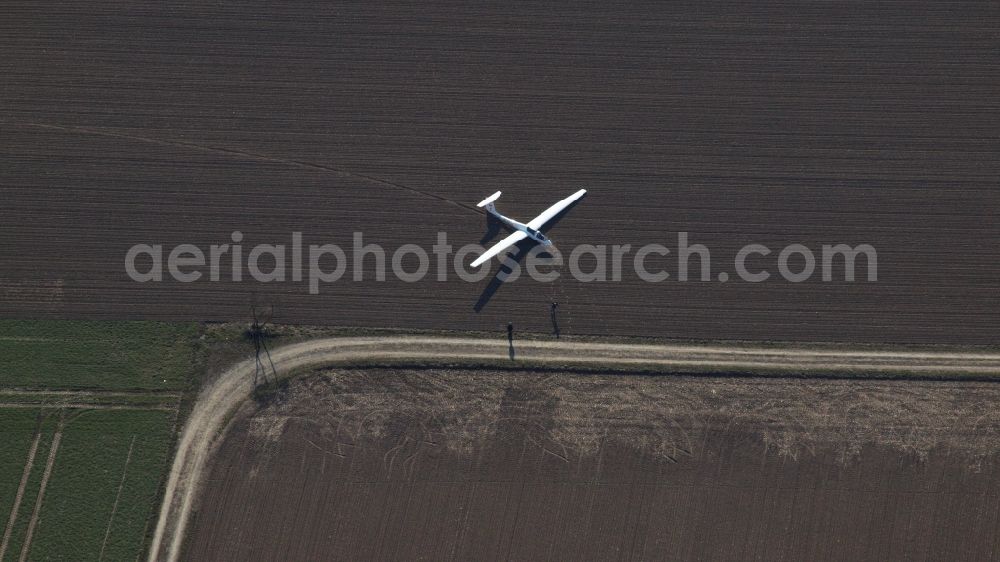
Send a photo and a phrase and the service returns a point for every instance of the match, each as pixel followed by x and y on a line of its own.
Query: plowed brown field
pixel 180 122
pixel 456 465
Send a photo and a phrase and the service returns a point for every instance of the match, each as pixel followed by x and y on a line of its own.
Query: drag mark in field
pixel 118 496
pixel 20 493
pixel 49 463
pixel 255 156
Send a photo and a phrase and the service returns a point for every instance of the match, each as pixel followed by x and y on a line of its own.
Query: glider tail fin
pixel 488 202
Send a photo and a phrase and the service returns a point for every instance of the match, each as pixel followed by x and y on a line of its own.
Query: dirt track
pixel 229 389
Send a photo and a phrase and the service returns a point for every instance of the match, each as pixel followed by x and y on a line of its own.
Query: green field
pixel 96 403
pixel 135 355
pixel 100 495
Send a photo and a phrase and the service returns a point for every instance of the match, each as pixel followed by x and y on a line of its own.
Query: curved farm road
pixel 221 396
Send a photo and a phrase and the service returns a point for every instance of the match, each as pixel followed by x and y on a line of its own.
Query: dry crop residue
pixel 449 464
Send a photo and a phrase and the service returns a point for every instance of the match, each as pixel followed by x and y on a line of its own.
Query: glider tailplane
pixel 488 202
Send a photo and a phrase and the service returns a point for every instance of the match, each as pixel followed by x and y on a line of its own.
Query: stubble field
pixel 372 464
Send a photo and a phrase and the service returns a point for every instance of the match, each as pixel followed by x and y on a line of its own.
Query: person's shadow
pixel 510 340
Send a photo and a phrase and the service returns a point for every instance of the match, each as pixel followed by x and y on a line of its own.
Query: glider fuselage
pixel 515 225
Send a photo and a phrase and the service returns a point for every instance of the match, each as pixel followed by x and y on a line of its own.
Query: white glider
pixel 523 231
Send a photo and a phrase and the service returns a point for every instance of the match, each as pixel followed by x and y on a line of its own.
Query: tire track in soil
pixel 49 463
pixel 85 406
pixel 28 465
pixel 118 496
